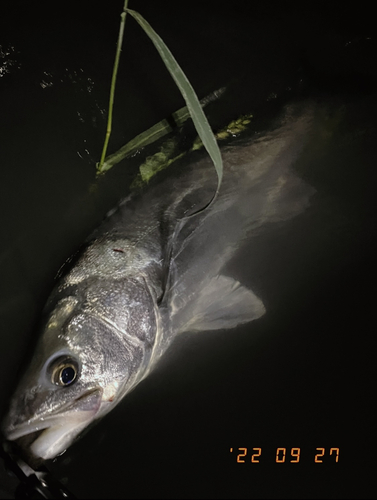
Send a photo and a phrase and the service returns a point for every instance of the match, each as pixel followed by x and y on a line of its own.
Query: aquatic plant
pixel 193 104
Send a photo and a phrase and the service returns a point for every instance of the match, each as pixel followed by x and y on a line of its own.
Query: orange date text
pixel 285 455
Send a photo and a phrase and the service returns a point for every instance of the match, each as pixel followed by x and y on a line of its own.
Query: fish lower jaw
pixel 48 439
pixel 55 440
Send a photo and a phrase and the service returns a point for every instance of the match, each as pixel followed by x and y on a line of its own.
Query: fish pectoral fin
pixel 220 304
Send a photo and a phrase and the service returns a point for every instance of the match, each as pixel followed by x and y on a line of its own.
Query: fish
pixel 152 270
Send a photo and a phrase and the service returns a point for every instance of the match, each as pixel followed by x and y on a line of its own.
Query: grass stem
pixel 112 88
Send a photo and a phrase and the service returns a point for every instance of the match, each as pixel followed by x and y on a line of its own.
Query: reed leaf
pixel 198 117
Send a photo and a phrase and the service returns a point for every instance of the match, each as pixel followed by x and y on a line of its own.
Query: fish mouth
pixel 49 436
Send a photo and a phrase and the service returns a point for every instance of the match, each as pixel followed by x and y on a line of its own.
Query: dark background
pixel 302 376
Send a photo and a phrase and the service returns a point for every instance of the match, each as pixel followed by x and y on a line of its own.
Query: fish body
pixel 152 270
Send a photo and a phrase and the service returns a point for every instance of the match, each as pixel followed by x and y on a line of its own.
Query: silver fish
pixel 149 273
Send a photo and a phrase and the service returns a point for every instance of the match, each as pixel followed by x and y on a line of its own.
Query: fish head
pixel 88 357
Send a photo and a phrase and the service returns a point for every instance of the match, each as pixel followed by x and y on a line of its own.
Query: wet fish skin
pixel 149 273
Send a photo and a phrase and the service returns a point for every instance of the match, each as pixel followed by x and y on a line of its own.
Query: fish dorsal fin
pixel 221 303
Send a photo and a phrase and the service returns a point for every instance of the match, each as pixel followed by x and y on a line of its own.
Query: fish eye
pixel 64 371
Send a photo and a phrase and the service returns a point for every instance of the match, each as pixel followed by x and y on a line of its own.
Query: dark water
pixel 303 376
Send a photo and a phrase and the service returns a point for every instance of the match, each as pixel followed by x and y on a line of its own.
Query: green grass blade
pixel 198 117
